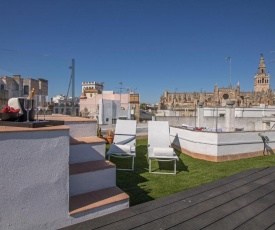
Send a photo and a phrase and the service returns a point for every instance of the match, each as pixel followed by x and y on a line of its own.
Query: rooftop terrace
pixel 243 201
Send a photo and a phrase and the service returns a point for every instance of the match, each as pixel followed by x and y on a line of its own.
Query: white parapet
pixel 221 146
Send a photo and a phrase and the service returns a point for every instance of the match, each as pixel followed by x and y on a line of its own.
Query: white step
pixel 87 149
pixel 82 127
pixel 79 126
pixel 91 176
pixel 99 202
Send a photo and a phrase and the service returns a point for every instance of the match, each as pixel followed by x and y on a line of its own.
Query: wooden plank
pixel 195 215
pixel 235 206
pixel 250 216
pixel 172 209
pixel 264 220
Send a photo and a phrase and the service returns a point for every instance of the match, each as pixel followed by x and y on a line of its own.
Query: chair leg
pixel 133 163
pixel 158 172
pixel 123 169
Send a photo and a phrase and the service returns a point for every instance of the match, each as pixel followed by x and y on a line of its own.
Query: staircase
pixel 92 178
pixel 59 178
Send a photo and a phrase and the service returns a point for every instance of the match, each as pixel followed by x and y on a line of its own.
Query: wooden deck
pixel 242 201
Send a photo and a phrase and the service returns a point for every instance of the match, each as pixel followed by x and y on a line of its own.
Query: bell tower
pixel 261 79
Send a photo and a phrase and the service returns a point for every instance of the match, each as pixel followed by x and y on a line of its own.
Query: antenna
pixel 102 83
pixel 120 88
pixel 120 92
pixel 128 89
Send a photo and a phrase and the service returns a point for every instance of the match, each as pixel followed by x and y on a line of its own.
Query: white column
pixel 200 115
pixel 230 116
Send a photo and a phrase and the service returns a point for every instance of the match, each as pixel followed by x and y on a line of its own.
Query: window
pixel 26 90
pixel 225 96
pixel 2 86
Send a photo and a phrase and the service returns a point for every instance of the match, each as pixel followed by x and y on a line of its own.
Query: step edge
pixel 86 140
pixel 100 165
pixel 121 196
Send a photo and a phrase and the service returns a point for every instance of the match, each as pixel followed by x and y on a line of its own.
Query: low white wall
pixel 241 112
pixel 247 123
pixel 195 141
pixel 82 129
pixel 34 179
pixel 222 143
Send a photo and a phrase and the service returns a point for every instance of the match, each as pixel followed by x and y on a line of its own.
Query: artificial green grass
pixel 142 186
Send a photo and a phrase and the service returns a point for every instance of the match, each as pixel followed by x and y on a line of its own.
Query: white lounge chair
pixel 124 145
pixel 159 145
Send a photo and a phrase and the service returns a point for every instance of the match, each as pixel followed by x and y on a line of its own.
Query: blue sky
pixel 148 45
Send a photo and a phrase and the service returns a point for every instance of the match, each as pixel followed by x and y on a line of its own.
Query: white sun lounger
pixel 124 145
pixel 159 145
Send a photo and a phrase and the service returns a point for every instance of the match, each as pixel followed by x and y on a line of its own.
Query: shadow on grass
pixel 168 166
pixel 131 182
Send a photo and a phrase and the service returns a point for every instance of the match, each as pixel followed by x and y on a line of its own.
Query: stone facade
pixel 262 94
pixel 261 79
pixel 63 105
pixel 92 87
pixel 16 86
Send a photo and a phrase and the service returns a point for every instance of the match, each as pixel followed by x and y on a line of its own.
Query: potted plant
pixel 110 136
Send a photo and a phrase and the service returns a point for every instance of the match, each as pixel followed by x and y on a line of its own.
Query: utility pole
pixel 72 67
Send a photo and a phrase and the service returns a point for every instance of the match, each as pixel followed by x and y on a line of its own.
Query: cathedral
pixel 262 94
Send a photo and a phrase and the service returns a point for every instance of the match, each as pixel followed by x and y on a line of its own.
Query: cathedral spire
pixel 261 79
pixel 261 68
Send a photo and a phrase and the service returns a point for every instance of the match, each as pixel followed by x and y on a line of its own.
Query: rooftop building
pixel 16 86
pixel 261 94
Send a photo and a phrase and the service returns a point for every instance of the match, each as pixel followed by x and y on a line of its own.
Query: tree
pixel 143 106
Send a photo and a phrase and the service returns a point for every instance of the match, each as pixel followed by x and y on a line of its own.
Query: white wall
pixel 34 179
pixel 241 112
pixel 34 175
pixel 198 142
pixel 220 144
